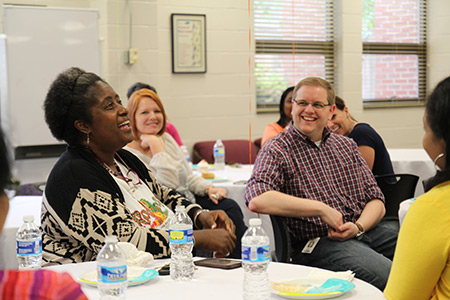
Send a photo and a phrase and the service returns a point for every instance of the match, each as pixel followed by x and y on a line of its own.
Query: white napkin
pixel 135 257
pixel 325 275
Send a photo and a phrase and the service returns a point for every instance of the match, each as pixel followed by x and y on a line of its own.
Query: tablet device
pixel 221 263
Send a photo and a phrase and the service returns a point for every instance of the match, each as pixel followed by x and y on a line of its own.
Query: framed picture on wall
pixel 188 43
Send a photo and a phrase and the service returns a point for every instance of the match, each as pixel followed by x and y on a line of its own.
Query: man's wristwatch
pixel 360 230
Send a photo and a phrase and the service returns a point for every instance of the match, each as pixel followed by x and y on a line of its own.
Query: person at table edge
pixel 321 183
pixel 97 189
pixel 30 284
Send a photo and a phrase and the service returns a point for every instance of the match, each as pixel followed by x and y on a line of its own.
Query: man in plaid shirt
pixel 322 184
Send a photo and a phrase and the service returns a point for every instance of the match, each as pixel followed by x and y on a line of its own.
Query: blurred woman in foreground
pixel 421 265
pixel 30 284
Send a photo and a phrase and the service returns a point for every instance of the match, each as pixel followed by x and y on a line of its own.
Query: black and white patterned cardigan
pixel 82 204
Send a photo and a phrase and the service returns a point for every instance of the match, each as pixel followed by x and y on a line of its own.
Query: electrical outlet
pixel 131 56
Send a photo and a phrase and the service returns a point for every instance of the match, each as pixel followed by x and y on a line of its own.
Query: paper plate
pixel 217 179
pixel 307 288
pixel 134 276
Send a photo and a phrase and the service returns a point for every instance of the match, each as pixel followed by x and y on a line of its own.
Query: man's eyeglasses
pixel 315 105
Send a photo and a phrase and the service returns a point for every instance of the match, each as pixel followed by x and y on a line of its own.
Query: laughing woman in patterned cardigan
pixel 95 189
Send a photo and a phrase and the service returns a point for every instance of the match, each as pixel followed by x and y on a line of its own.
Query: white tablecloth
pixel 210 283
pixel 19 206
pixel 403 209
pixel 413 161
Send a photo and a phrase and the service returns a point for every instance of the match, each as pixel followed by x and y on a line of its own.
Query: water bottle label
pixel 29 247
pixel 255 253
pixel 113 274
pixel 219 152
pixel 181 236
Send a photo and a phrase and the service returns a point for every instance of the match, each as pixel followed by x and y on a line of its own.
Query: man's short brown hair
pixel 317 81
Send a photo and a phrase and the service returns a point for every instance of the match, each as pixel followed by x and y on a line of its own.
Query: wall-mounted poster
pixel 188 43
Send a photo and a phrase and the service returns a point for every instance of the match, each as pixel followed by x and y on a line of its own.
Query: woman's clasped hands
pixel 217 234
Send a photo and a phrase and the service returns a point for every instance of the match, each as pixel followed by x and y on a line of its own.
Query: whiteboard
pixel 38 43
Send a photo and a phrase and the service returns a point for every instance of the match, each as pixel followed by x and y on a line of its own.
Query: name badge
pixel 310 245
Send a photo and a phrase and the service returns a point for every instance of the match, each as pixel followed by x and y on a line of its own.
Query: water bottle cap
pixel 179 208
pixel 28 218
pixel 255 222
pixel 111 239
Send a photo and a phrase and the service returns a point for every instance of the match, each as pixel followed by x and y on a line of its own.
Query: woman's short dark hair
pixel 5 169
pixel 139 86
pixel 437 114
pixel 283 118
pixel 69 99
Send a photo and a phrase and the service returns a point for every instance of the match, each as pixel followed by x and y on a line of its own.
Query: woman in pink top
pixel 275 128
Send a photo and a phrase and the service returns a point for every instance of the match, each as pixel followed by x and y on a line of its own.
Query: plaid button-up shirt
pixel 334 173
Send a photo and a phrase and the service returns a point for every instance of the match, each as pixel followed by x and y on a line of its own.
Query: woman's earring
pixel 435 161
pixel 87 140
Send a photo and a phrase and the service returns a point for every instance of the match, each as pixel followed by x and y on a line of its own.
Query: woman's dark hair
pixel 340 104
pixel 283 121
pixel 5 169
pixel 69 99
pixel 437 114
pixel 139 86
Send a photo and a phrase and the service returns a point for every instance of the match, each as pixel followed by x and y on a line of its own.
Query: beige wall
pixel 216 104
pixel 202 106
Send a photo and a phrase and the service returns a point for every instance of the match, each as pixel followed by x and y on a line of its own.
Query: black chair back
pixel 396 188
pixel 282 239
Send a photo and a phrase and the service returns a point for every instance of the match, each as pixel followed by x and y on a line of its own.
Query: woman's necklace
pixel 119 173
pixel 352 126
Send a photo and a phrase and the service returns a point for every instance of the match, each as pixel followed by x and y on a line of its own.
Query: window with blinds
pixel 394 52
pixel 293 40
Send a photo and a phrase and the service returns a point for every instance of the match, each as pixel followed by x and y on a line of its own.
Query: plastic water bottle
pixel 185 153
pixel 219 155
pixel 112 278
pixel 255 260
pixel 181 244
pixel 29 244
